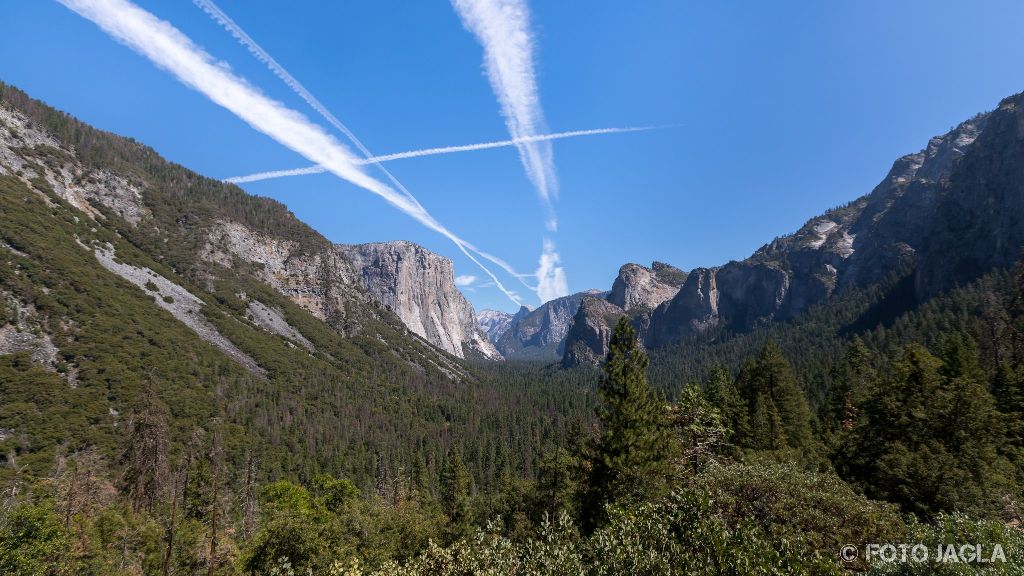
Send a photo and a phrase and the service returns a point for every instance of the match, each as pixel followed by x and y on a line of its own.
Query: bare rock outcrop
pixel 494 323
pixel 944 215
pixel 419 287
pixel 591 331
pixel 639 287
pixel 540 334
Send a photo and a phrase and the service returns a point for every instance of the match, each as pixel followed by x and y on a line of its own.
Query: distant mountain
pixel 945 216
pixel 538 334
pixel 636 292
pixel 494 323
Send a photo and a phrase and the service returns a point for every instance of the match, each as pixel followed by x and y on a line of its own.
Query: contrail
pixel 512 142
pixel 276 174
pixel 503 28
pixel 443 150
pixel 171 50
pixel 263 56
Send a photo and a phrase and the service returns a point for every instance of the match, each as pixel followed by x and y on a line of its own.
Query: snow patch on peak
pixel 494 323
pixel 821 230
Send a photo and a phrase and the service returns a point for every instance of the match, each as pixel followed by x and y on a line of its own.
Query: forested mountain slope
pixel 125 276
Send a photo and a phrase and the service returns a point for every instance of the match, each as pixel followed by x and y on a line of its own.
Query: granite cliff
pixel 944 215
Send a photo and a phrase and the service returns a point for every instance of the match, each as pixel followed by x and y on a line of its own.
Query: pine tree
pixel 147 466
pixel 699 428
pixel 929 434
pixel 632 458
pixel 455 486
pixel 769 380
pixel 725 397
pixel 960 358
pixel 849 383
pixel 768 430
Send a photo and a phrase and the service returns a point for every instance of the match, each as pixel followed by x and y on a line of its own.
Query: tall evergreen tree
pixel 928 434
pixel 849 383
pixel 770 380
pixel 724 396
pixel 633 455
pixel 768 430
pixel 699 428
pixel 455 486
pixel 1008 390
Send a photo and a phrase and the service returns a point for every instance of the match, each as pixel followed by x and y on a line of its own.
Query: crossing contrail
pixel 263 56
pixel 442 150
pixel 171 50
pixel 503 29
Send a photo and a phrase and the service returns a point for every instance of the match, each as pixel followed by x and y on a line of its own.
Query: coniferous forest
pixel 915 439
pixel 193 382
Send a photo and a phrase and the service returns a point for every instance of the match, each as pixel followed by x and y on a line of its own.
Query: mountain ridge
pixel 930 202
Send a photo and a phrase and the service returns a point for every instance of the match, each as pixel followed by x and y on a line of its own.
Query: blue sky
pixel 785 110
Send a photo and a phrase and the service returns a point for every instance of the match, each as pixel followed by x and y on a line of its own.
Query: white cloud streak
pixel 174 52
pixel 551 281
pixel 263 56
pixel 503 28
pixel 465 280
pixel 435 151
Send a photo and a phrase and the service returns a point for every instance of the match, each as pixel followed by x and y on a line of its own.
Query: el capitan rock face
pixel 419 287
pixel 946 215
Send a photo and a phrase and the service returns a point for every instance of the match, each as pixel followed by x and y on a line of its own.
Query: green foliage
pixel 333 494
pixel 700 430
pixel 958 530
pixel 928 433
pixel 454 497
pixel 816 511
pixel 631 459
pixel 32 540
pixel 779 417
pixel 725 397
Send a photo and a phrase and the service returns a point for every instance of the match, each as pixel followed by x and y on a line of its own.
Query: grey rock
pixel 591 331
pixel 494 323
pixel 179 302
pixel 946 214
pixel 419 287
pixel 540 334
pixel 638 287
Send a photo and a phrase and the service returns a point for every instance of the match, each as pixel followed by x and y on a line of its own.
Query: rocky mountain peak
pixel 947 213
pixel 638 287
pixel 494 323
pixel 419 287
pixel 540 333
